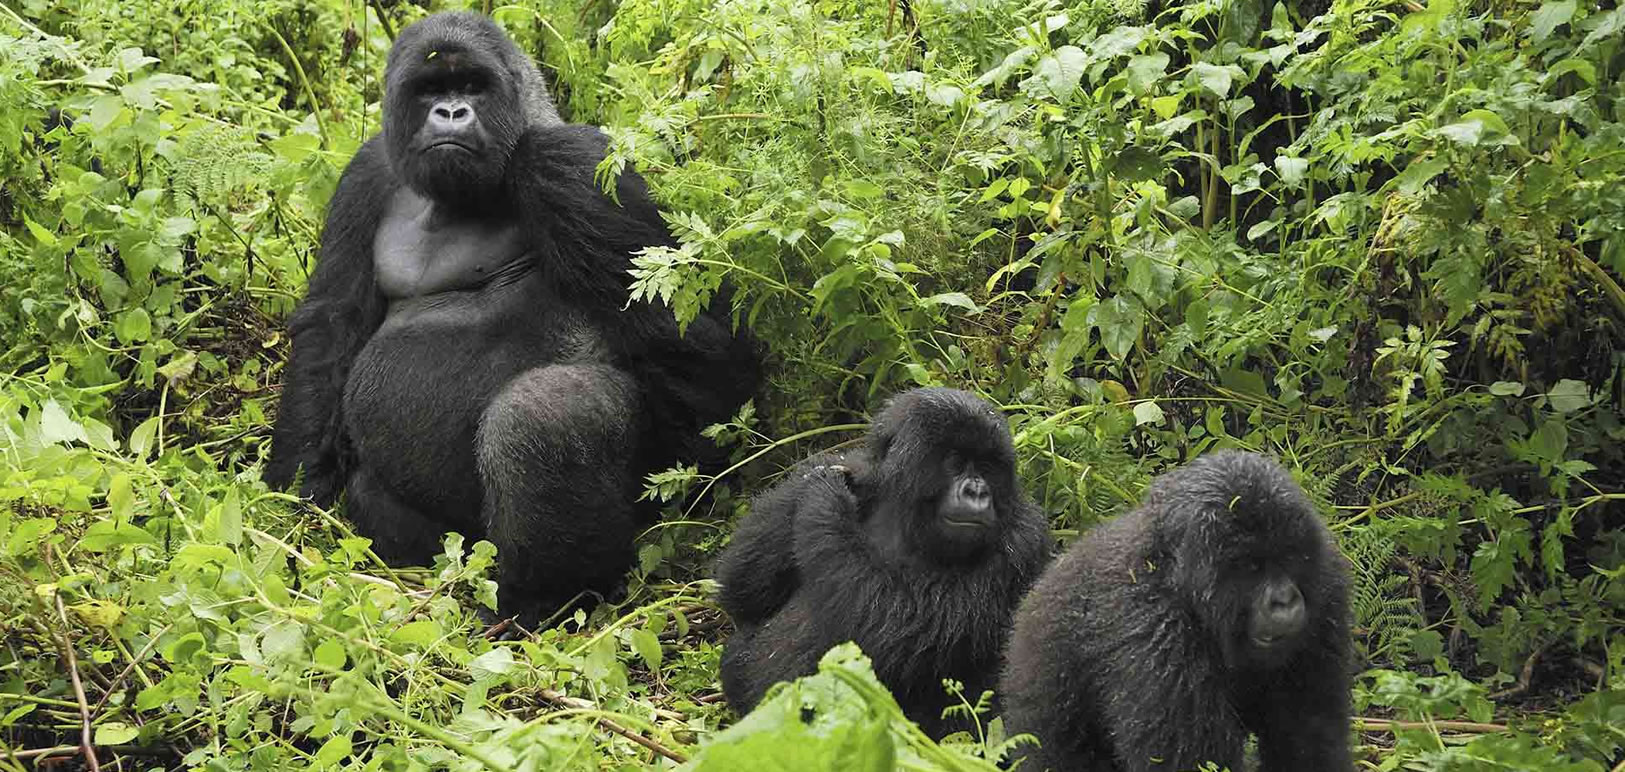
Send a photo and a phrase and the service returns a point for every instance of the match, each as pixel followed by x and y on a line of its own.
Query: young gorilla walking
pixel 1161 639
pixel 463 360
pixel 918 547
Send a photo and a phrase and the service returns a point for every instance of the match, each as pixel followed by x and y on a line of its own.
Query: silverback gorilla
pixel 466 358
pixel 918 547
pixel 1163 638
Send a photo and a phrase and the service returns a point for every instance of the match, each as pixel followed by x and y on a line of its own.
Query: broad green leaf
pixel 330 654
pixel 133 326
pixel 1148 412
pixel 116 733
pixel 1569 395
pixel 57 427
pixel 1059 73
pixel 104 535
pixel 1120 321
pixel 1145 70
pixel 1507 389
pixel 1549 17
pixel 1215 78
pixel 647 645
pixel 422 633
pixel 955 299
pixel 141 438
pixel 335 750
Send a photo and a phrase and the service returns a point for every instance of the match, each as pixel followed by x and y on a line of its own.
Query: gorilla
pixel 1161 639
pixel 917 547
pixel 466 358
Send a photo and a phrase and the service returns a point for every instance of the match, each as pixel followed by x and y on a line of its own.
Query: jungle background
pixel 1382 240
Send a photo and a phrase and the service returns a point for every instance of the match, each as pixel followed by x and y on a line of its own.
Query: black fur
pixel 1133 651
pixel 517 397
pixel 852 548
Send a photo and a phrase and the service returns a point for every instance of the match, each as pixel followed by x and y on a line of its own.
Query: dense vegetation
pixel 1381 239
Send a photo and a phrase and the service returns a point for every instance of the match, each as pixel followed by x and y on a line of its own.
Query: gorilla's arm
pixel 585 242
pixel 585 238
pixel 339 314
pixel 757 572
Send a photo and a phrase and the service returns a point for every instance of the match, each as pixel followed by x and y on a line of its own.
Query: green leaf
pixel 1059 73
pixel 955 299
pixel 1507 389
pixel 1291 169
pixel 1569 395
pixel 231 517
pixel 493 665
pixel 141 438
pixel 421 633
pixel 26 536
pixel 1549 17
pixel 116 733
pixel 133 326
pixel 647 645
pixel 57 427
pixel 1145 70
pixel 1148 412
pixel 1215 78
pixel 335 750
pixel 1120 321
pixel 330 654
pixel 104 535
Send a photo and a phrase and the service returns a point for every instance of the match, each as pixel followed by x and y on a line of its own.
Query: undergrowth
pixel 1383 240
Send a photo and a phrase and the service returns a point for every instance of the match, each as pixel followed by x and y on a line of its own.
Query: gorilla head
pixel 458 95
pixel 1165 636
pixel 1248 555
pixel 942 476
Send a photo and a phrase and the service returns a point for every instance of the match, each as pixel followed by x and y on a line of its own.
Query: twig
pixel 579 704
pixel 68 750
pixel 1385 725
pixel 1524 677
pixel 85 732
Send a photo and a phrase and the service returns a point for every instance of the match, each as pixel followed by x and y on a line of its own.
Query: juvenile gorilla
pixel 1162 638
pixel 463 360
pixel 918 547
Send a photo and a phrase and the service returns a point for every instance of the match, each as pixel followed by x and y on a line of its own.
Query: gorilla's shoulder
pixel 560 148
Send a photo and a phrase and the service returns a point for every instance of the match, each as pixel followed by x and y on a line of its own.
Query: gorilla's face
pixel 453 112
pixel 1254 583
pixel 945 474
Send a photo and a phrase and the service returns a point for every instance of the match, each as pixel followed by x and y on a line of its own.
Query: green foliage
pixel 1382 240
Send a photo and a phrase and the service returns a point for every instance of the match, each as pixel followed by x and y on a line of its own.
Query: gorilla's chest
pixel 421 251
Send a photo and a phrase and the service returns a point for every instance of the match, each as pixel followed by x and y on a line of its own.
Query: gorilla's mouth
pixel 449 143
pixel 972 524
pixel 1271 641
